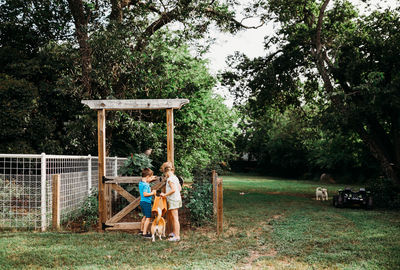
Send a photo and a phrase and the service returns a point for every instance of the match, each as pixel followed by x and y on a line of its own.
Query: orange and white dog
pixel 158 226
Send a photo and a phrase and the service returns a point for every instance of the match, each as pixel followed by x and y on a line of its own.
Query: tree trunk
pixel 81 30
pixel 387 166
pixel 377 147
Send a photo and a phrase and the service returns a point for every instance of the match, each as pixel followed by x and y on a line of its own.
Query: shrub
pixel 135 164
pixel 15 207
pixel 87 215
pixel 385 193
pixel 198 199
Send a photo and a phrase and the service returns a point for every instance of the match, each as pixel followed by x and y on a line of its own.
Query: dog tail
pixel 159 215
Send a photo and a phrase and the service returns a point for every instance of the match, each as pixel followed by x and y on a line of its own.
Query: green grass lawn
pixel 276 225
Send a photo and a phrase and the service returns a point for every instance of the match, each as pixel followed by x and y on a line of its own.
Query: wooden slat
pixel 56 202
pixel 101 124
pixel 117 217
pixel 123 192
pixel 170 135
pixel 107 200
pixel 123 226
pixel 135 104
pixel 125 180
pixel 158 185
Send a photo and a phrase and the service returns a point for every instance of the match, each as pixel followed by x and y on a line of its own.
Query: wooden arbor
pixel 105 219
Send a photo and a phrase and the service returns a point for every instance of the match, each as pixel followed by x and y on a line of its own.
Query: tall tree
pixel 354 57
pixel 143 19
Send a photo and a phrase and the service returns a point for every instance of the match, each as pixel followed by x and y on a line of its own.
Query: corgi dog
pixel 321 194
pixel 158 226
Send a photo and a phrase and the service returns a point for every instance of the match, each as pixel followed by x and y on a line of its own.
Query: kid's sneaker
pixel 174 239
pixel 147 235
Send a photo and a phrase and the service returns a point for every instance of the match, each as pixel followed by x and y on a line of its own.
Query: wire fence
pixel 26 186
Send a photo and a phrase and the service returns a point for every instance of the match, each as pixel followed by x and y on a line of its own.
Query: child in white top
pixel 174 199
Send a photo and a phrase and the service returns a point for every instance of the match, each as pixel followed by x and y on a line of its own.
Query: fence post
pixel 56 202
pixel 116 166
pixel 43 191
pixel 89 173
pixel 220 210
pixel 214 185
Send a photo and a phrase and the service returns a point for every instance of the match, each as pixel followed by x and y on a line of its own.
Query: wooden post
pixel 56 185
pixel 101 124
pixel 170 135
pixel 170 157
pixel 220 209
pixel 214 185
pixel 107 200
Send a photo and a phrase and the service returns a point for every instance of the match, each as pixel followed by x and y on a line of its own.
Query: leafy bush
pixel 385 193
pixel 87 215
pixel 198 199
pixel 135 164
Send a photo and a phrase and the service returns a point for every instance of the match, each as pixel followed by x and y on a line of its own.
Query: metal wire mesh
pixel 26 186
pixel 20 191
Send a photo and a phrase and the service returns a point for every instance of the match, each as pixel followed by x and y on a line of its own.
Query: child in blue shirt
pixel 145 199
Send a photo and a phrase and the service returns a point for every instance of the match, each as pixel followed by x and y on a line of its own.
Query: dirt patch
pixel 274 217
pixel 254 255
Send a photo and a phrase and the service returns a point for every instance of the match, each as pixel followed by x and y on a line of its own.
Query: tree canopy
pixel 54 54
pixel 337 67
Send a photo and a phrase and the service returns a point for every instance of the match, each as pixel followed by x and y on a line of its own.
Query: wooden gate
pixel 106 185
pixel 113 183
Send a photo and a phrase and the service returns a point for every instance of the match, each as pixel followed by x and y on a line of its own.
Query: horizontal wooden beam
pixel 135 104
pixel 123 226
pixel 126 180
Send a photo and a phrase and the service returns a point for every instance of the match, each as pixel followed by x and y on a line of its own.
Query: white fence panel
pixel 26 193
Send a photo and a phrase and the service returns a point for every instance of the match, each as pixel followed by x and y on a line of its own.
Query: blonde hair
pixel 166 167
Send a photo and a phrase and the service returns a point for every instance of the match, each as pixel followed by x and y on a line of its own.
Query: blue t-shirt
pixel 145 187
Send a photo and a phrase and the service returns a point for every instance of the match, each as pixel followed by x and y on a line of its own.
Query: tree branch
pixel 319 26
pixel 165 18
pixel 237 23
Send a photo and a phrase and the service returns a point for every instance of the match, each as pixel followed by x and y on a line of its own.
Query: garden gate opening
pixel 106 185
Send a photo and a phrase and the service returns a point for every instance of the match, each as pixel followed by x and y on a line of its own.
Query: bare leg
pixel 176 228
pixel 142 223
pixel 146 225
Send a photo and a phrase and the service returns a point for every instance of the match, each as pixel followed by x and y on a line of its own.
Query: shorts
pixel 173 204
pixel 146 209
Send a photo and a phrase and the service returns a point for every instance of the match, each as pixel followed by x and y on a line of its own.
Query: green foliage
pixel 15 199
pixel 10 191
pixel 353 111
pixel 134 165
pixel 198 199
pixel 87 215
pixel 386 194
pixel 17 100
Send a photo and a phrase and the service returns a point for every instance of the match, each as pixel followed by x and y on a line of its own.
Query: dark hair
pixel 147 172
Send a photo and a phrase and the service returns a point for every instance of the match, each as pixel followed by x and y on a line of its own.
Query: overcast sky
pixel 250 42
